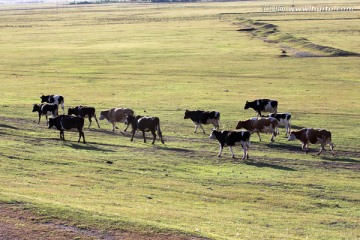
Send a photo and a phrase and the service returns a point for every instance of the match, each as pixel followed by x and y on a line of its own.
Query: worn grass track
pixel 164 59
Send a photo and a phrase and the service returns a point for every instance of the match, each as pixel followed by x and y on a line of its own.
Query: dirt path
pixel 17 223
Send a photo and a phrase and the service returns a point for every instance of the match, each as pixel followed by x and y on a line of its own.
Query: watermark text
pixel 292 8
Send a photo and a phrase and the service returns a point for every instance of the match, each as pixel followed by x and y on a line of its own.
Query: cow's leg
pixel 96 120
pixel 89 121
pixel 273 135
pixel 113 123
pixel 258 133
pixel 244 147
pixel 62 135
pixel 81 134
pixel 221 148
pixel 133 133
pixel 321 149
pixel 196 127
pixel 154 136
pixel 160 135
pixel 247 149
pixel 47 121
pixel 306 148
pixel 216 125
pixel 202 128
pixel 143 132
pixel 232 153
pixel 331 147
pixel 39 118
pixel 287 127
pixel 127 125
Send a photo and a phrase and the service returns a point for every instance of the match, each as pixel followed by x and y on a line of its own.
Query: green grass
pixel 165 59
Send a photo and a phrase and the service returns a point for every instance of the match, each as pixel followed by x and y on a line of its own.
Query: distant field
pixel 160 59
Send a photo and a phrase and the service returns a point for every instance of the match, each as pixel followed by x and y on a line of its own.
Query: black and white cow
pixel 84 111
pixel 66 122
pixel 47 109
pixel 145 124
pixel 200 117
pixel 230 138
pixel 284 119
pixel 57 99
pixel 262 105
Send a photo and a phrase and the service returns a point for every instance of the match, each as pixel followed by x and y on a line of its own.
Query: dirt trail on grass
pixel 17 223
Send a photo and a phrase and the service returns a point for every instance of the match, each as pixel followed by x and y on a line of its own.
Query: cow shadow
pixel 282 146
pixel 297 127
pixel 88 146
pixel 8 126
pixel 173 149
pixel 267 165
pixel 338 159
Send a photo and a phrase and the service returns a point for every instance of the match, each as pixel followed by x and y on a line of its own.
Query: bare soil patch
pixel 18 223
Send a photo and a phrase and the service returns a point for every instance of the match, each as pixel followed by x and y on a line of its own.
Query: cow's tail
pixel 61 101
pixel 217 117
pixel 159 130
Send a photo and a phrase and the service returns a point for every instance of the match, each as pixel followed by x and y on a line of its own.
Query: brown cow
pixel 311 135
pixel 114 115
pixel 264 125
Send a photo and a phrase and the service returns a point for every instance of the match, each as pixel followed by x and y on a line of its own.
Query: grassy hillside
pixel 163 59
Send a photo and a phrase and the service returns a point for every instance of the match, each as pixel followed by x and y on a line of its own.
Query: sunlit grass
pixel 160 60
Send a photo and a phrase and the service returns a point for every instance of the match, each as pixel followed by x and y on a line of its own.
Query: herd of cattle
pixel 49 106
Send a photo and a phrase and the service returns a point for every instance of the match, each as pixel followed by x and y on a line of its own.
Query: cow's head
pixel 36 108
pixel 292 136
pixel 247 105
pixel 71 111
pixel 187 114
pixel 44 98
pixel 129 119
pixel 51 122
pixel 240 125
pixel 103 115
pixel 213 134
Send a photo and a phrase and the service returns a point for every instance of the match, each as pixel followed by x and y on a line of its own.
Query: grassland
pixel 163 59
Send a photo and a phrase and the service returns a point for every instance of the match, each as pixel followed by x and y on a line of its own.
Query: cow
pixel 145 124
pixel 47 109
pixel 313 136
pixel 57 99
pixel 284 119
pixel 230 138
pixel 66 122
pixel 114 115
pixel 200 117
pixel 262 105
pixel 264 125
pixel 84 111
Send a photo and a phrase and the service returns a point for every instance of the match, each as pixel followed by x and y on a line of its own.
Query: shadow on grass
pixel 87 146
pixel 339 159
pixel 8 126
pixel 174 149
pixel 262 164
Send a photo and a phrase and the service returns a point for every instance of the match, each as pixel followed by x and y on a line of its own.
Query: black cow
pixel 230 138
pixel 65 122
pixel 46 109
pixel 262 105
pixel 83 111
pixel 57 99
pixel 145 124
pixel 200 117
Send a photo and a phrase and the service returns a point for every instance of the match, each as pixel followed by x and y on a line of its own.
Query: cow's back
pixel 119 114
pixel 148 123
pixel 68 122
